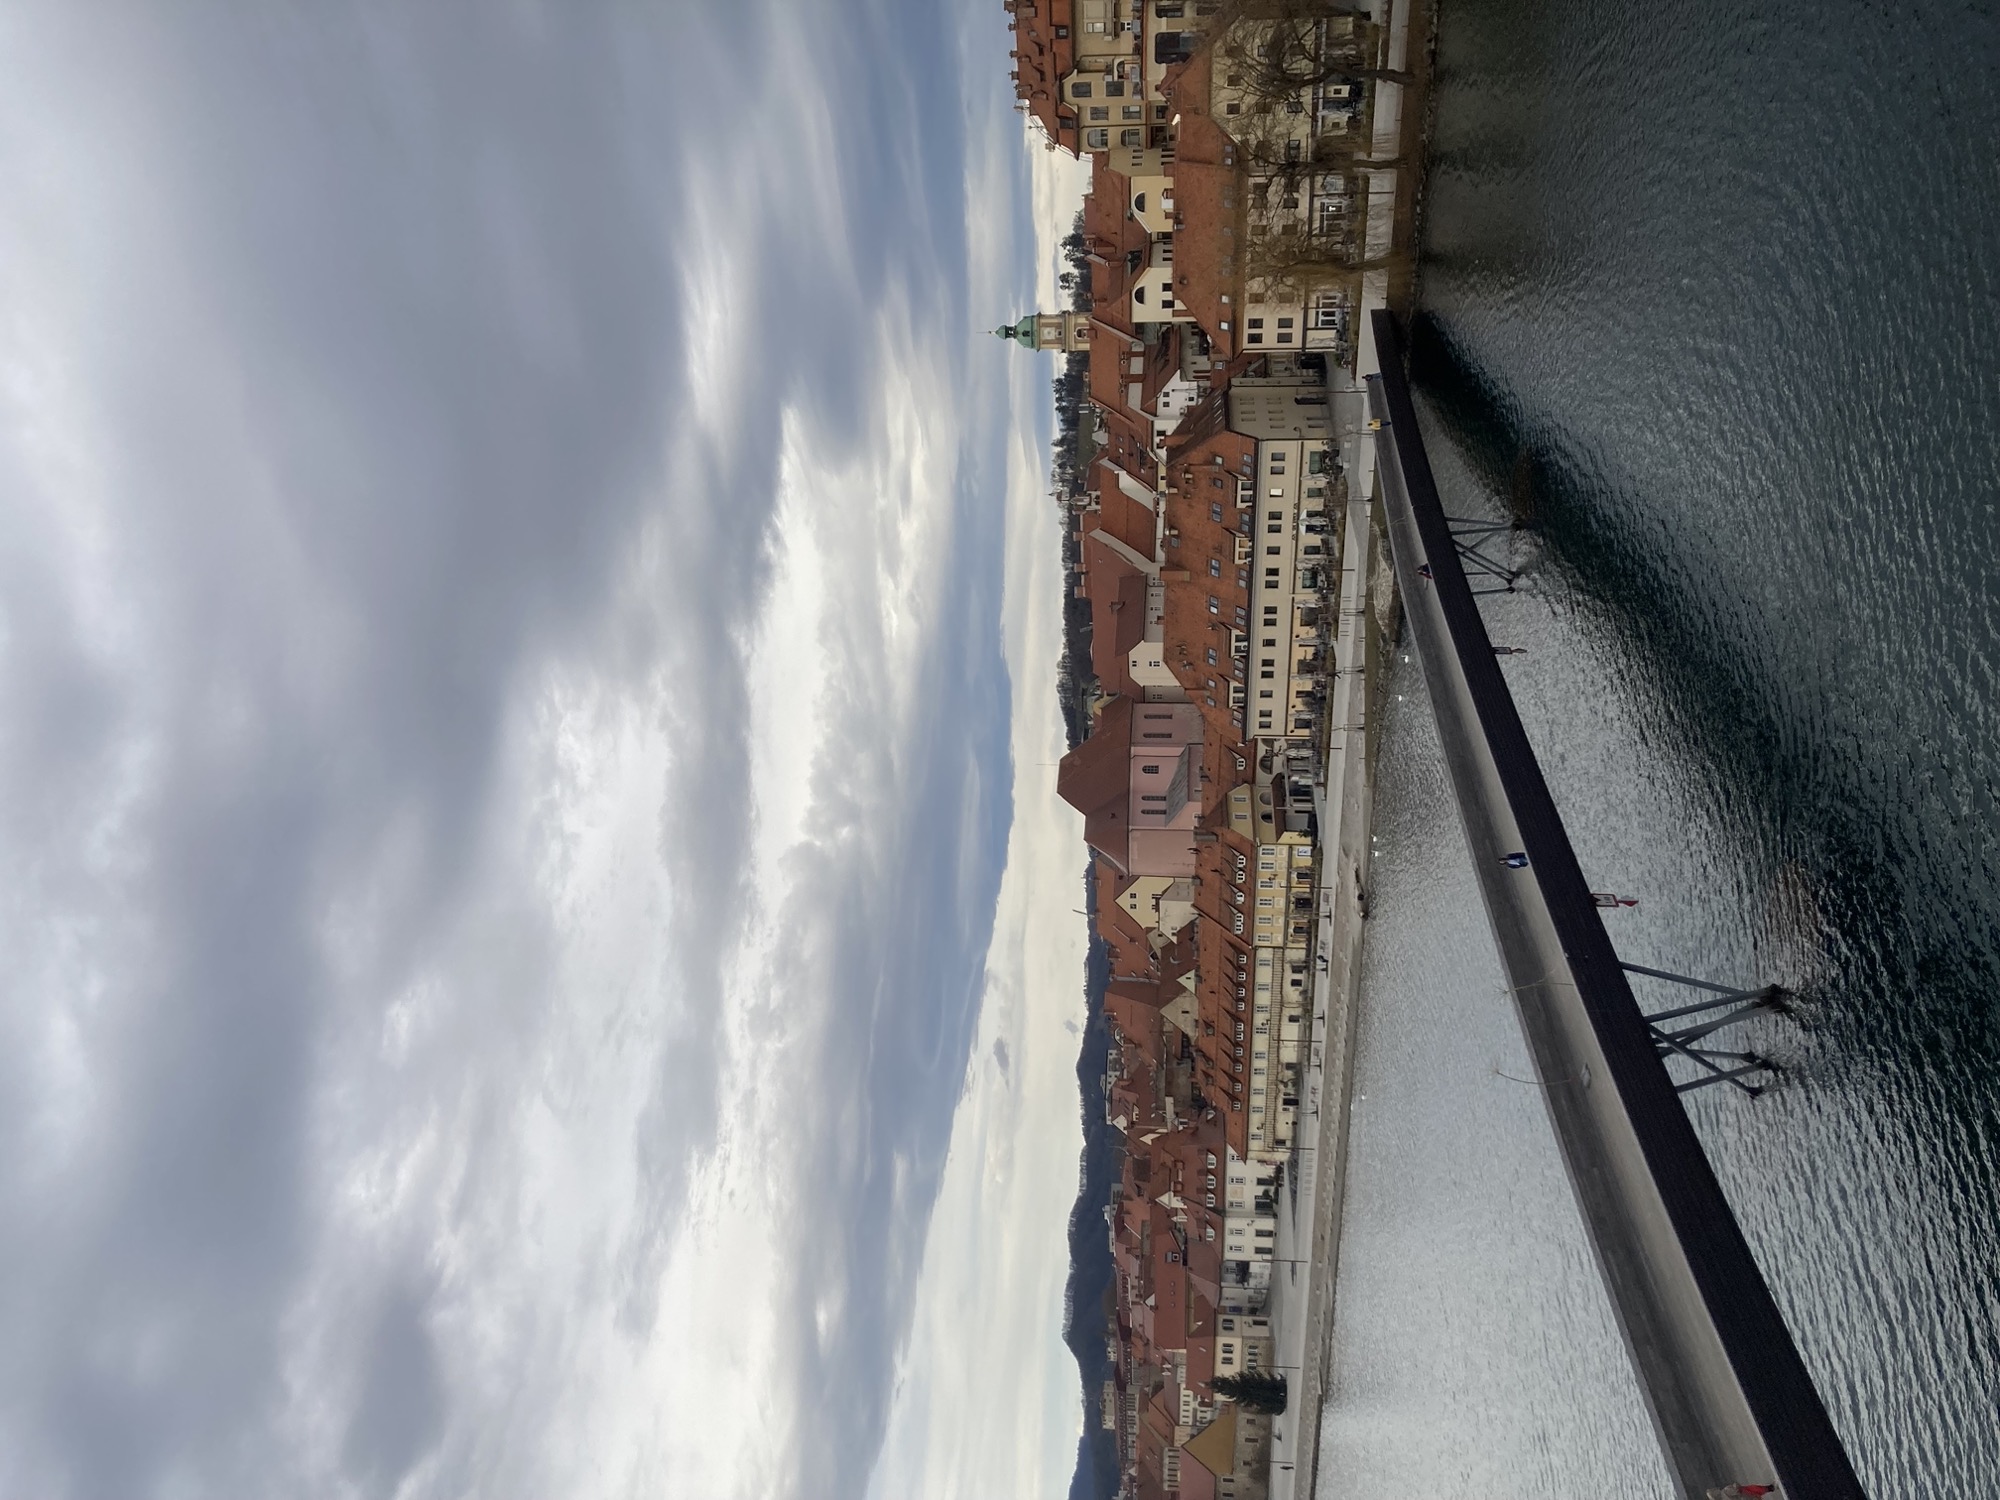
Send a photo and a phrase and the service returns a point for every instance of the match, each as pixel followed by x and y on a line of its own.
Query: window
pixel 1284 322
pixel 1129 137
pixel 1114 88
pixel 1132 112
pixel 1254 323
pixel 1233 108
pixel 1214 605
pixel 1100 111
pixel 1096 140
pixel 1274 515
pixel 1212 657
pixel 1138 203
pixel 1215 511
pixel 1215 567
pixel 1079 91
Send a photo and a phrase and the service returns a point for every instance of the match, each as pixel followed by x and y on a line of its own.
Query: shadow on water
pixel 1889 920
pixel 1917 953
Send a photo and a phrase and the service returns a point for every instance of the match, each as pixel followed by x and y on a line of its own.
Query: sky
pixel 542 946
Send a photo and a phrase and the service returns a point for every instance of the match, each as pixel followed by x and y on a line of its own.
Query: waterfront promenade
pixel 1308 1239
pixel 1308 1242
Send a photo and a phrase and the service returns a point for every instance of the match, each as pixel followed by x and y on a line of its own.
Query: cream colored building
pixel 1160 904
pixel 1242 1344
pixel 1150 196
pixel 1249 1232
pixel 1288 550
pixel 1114 85
pixel 1273 1028
pixel 1297 151
pixel 1153 298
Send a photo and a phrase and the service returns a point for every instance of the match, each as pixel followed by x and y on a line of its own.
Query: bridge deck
pixel 1729 1396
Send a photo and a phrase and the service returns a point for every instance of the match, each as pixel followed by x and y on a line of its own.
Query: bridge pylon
pixel 1736 1006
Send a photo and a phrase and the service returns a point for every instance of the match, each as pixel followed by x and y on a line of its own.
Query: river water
pixel 1711 293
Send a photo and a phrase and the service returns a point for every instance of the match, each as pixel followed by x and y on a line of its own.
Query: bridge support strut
pixel 1737 1005
pixel 1470 539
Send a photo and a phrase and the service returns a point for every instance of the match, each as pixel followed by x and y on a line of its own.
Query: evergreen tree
pixel 1253 1390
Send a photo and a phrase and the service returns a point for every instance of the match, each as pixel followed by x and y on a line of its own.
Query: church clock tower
pixel 1067 331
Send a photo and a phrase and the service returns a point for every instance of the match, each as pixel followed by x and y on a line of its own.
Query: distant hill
pixel 1090 1275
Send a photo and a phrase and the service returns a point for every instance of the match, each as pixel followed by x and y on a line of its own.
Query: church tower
pixel 1068 332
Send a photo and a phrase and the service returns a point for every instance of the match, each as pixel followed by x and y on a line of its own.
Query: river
pixel 1713 294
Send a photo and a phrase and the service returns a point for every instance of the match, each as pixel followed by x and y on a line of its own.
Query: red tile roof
pixel 1041 60
pixel 1208 210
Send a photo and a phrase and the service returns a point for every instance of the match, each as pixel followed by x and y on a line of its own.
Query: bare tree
pixel 1278 49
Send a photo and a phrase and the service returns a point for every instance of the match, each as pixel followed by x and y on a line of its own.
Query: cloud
pixel 504 780
pixel 986 1400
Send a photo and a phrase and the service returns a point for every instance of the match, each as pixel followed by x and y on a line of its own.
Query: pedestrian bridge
pixel 1729 1397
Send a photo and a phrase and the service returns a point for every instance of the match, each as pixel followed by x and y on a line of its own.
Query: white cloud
pixel 987 1397
pixel 502 802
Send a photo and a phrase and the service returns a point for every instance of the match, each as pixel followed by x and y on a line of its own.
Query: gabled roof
pixel 1117 593
pixel 1096 780
pixel 1214 1447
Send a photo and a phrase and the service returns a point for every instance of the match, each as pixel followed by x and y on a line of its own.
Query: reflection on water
pixel 1712 292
